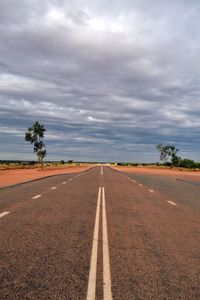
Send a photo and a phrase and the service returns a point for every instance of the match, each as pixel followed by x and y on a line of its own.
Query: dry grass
pixel 46 166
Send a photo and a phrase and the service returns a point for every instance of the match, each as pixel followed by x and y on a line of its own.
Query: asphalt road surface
pixel 100 234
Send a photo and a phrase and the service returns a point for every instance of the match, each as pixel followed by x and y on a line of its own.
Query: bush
pixel 31 162
pixel 197 165
pixel 123 164
pixel 187 163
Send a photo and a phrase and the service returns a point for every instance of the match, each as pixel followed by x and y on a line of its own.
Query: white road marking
pixel 106 263
pixel 151 191
pixel 70 179
pixel 133 181
pixel 54 187
pixel 37 196
pixel 140 184
pixel 4 214
pixel 93 264
pixel 64 182
pixel 91 292
pixel 172 203
pixel 101 172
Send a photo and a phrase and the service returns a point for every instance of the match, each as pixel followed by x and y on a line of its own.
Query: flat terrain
pixel 101 234
pixel 184 186
pixel 12 177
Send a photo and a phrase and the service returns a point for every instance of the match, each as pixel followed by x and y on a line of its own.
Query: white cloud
pixel 102 71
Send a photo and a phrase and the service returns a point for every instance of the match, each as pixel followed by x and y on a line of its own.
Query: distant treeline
pixel 33 162
pixel 184 163
pixel 27 162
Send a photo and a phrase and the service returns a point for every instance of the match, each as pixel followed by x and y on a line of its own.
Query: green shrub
pixel 187 163
pixel 70 161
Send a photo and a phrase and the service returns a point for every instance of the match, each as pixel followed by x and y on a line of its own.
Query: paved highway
pixel 100 234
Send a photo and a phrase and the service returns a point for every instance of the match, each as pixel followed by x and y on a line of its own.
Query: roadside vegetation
pixel 35 135
pixel 168 158
pixel 185 163
pixel 48 165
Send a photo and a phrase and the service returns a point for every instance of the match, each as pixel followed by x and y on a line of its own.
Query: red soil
pixel 184 174
pixel 11 177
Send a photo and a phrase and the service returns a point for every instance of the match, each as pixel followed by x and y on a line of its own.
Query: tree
pixel 168 152
pixel 163 153
pixel 35 135
pixel 175 158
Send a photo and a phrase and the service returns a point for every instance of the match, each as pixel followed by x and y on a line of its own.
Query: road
pixel 100 234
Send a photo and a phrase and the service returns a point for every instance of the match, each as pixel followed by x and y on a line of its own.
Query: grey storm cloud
pixel 108 79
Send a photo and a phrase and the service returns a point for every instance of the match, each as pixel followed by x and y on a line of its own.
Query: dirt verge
pixel 185 174
pixel 12 177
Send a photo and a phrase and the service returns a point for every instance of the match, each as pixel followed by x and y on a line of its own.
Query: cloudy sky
pixel 108 79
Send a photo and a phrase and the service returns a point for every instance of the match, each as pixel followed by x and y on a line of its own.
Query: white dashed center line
pixel 70 179
pixel 64 182
pixel 4 214
pixel 133 181
pixel 37 196
pixel 140 184
pixel 54 187
pixel 172 203
pixel 151 191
